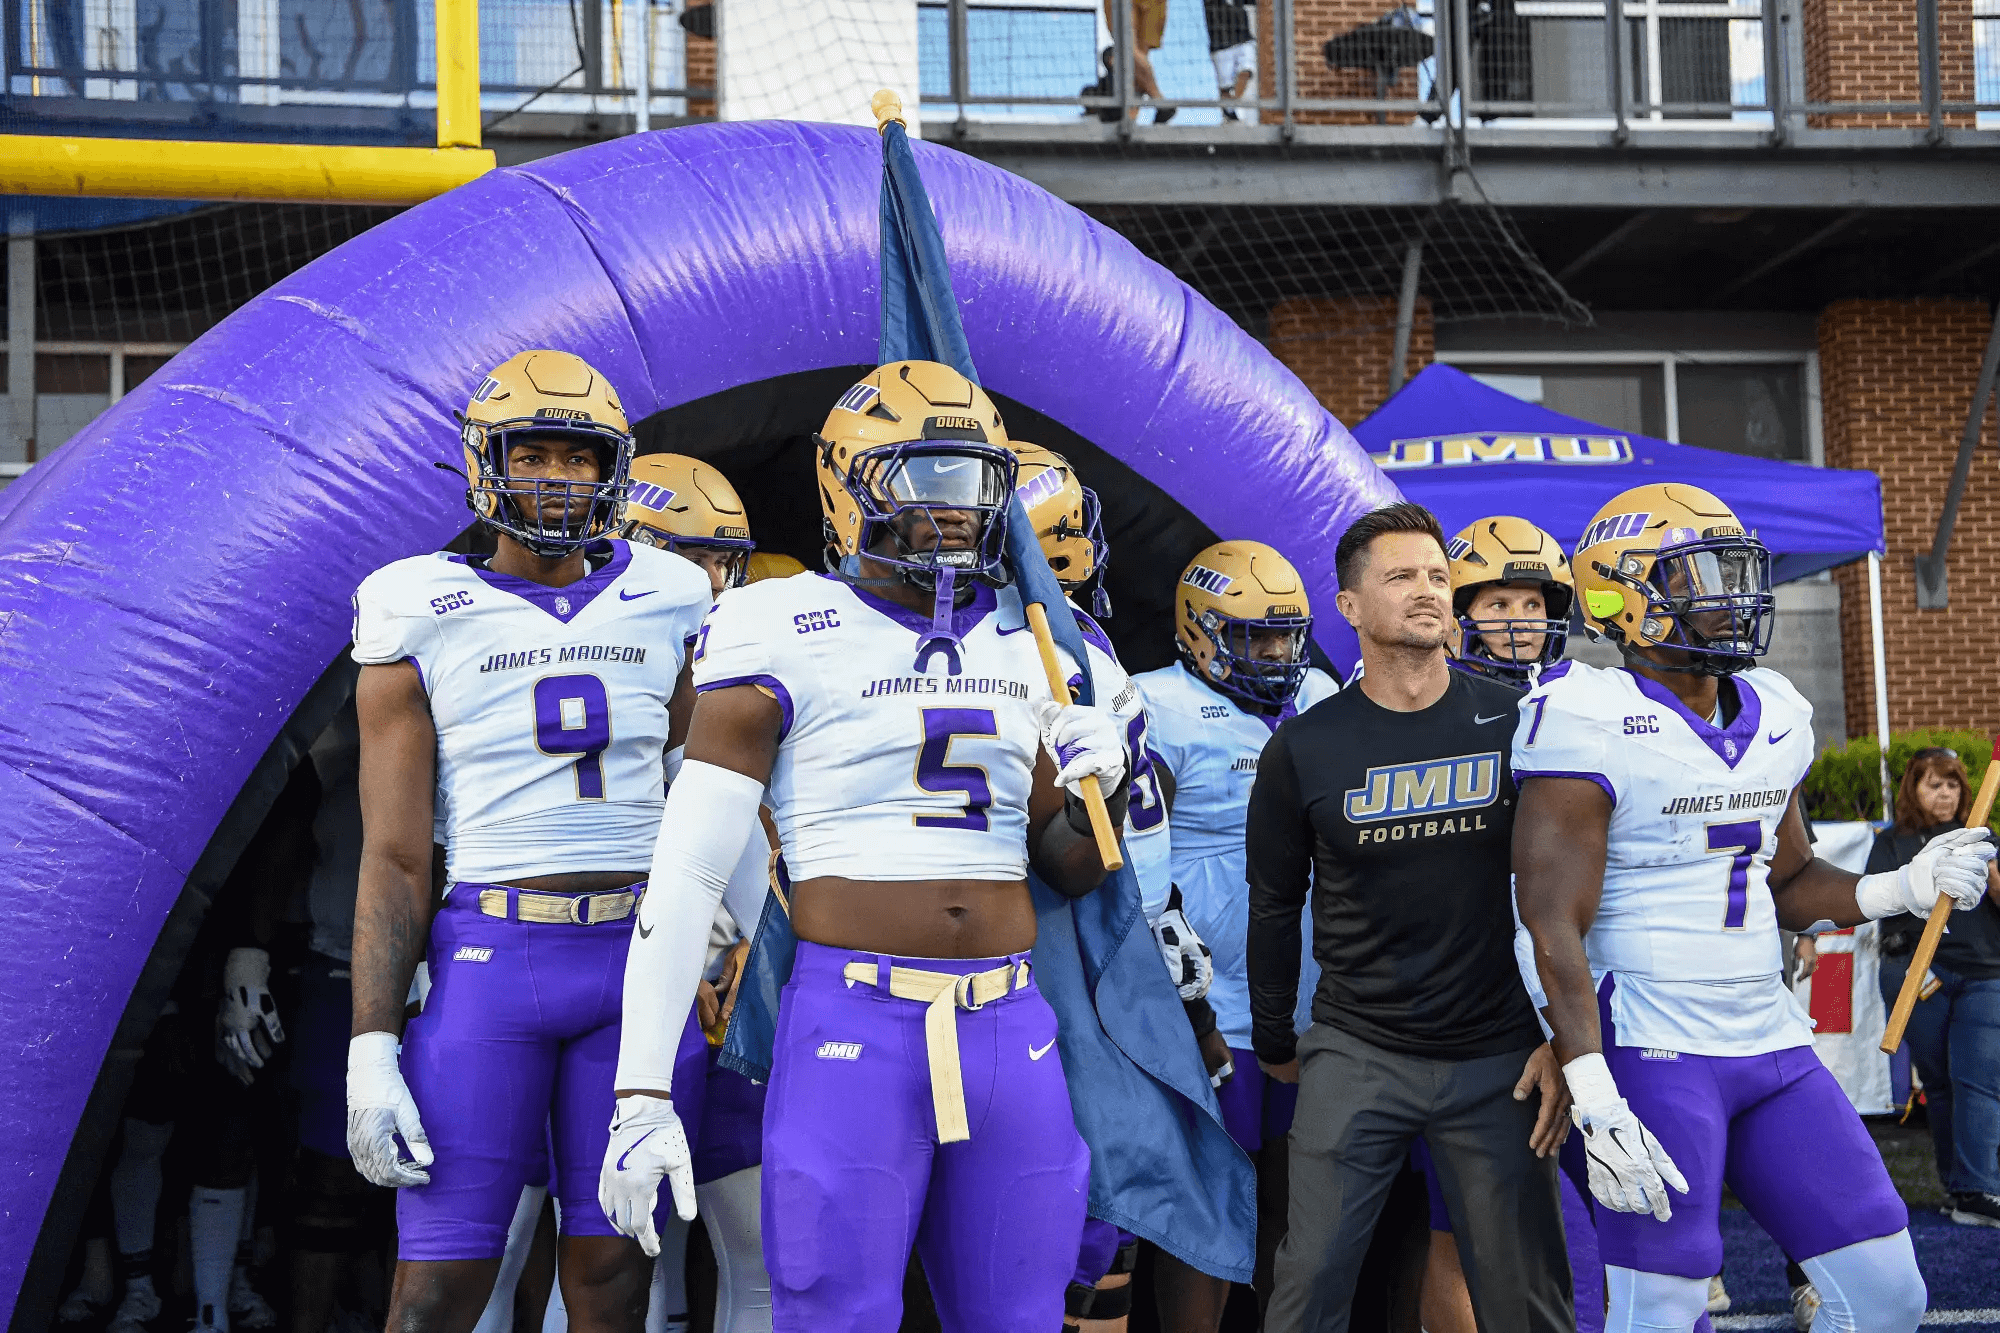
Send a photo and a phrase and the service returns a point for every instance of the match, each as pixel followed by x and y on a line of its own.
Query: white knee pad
pixel 1871 1286
pixel 731 1208
pixel 1652 1302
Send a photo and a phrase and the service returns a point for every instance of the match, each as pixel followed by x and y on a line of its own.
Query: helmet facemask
pixel 899 489
pixel 739 549
pixel 1233 669
pixel 1709 596
pixel 1512 665
pixel 517 507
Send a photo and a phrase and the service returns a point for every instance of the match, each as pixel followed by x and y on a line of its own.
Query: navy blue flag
pixel 1161 1164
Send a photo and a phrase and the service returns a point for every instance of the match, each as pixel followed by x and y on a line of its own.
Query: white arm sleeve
pixel 711 813
pixel 749 883
pixel 1531 976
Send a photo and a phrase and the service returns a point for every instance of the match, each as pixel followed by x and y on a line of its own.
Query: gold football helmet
pixel 771 565
pixel 1233 598
pixel 1066 518
pixel 541 394
pixel 911 439
pixel 682 504
pixel 1669 566
pixel 1503 549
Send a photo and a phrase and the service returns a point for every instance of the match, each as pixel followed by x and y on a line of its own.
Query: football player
pixel 1658 849
pixel 1070 529
pixel 1241 621
pixel 898 712
pixel 1511 592
pixel 524 702
pixel 683 505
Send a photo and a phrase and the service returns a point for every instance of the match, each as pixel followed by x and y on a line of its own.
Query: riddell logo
pixel 840 1050
pixel 473 953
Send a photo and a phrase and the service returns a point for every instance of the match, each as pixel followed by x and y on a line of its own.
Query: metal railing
pixel 1626 64
pixel 1630 65
pixel 208 59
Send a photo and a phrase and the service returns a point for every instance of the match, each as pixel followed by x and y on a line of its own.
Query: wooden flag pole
pixel 1920 962
pixel 1093 798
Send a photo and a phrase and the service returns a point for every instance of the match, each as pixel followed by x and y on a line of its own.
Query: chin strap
pixel 1705 664
pixel 942 637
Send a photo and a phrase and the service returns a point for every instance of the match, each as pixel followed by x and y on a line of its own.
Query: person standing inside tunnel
pixel 1393 805
pixel 526 702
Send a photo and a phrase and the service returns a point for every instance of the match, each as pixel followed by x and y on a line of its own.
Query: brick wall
pixel 1896 378
pixel 700 73
pixel 1313 22
pixel 1866 51
pixel 1341 347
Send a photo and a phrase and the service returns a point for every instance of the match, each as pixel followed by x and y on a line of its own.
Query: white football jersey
pixel 1147 836
pixel 888 768
pixel 1686 925
pixel 1211 745
pixel 550 703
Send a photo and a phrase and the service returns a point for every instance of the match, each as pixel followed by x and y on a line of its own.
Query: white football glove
pixel 1953 863
pixel 1189 961
pixel 647 1142
pixel 247 1026
pixel 379 1107
pixel 1629 1170
pixel 1085 742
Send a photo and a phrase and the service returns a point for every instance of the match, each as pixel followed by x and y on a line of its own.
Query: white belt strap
pixel 944 993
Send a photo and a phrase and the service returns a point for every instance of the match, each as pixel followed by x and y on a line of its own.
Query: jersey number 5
pixel 1147 808
pixel 1742 839
pixel 573 716
pixel 941 727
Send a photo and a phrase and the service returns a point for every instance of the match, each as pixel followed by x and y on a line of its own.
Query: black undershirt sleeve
pixel 1278 852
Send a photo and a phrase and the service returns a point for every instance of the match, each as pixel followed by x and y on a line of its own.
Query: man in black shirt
pixel 1394 801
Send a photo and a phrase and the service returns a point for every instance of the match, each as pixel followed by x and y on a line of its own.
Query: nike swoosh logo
pixel 634 1148
pixel 1780 736
pixel 1478 721
pixel 1004 632
pixel 624 596
pixel 943 465
pixel 645 931
pixel 1034 1054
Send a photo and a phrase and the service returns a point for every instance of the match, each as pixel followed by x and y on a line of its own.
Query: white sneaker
pixel 1805 1306
pixel 246 1307
pixel 1718 1296
pixel 140 1307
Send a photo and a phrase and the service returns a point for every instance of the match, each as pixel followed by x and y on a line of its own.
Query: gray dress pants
pixel 1359 1108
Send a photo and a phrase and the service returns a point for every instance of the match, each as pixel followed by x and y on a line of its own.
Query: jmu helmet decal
pixel 1614 527
pixel 1040 487
pixel 859 398
pixel 486 388
pixel 1457 548
pixel 650 496
pixel 1208 580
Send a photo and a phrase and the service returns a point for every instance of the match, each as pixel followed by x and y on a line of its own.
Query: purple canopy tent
pixel 173 581
pixel 1466 451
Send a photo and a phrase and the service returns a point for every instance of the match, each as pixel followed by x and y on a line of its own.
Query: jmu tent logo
pixel 1430 788
pixel 1501 447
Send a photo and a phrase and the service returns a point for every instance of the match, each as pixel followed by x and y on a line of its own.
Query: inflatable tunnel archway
pixel 175 580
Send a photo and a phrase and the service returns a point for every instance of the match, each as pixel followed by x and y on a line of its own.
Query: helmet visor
pixel 938 480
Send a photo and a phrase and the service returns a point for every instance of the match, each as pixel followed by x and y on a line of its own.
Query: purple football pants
pixel 854 1174
pixel 1776 1128
pixel 511 1064
pixel 1256 1108
pixel 732 1123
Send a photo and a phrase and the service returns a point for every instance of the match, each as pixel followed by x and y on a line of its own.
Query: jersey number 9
pixel 573 716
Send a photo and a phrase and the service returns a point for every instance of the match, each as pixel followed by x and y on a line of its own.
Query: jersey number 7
pixel 573 716
pixel 1742 839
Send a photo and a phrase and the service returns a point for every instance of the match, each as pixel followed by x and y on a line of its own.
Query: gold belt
pixel 559 909
pixel 944 993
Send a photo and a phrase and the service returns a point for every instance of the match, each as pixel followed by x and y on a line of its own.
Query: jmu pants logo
pixel 473 953
pixel 1464 782
pixel 839 1050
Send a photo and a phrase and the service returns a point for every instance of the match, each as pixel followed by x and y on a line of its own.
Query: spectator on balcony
pixel 1232 46
pixel 1146 22
pixel 1954 1033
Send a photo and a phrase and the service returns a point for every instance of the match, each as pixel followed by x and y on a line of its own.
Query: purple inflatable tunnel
pixel 176 578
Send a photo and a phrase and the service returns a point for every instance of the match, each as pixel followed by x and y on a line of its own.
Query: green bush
pixel 1845 782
